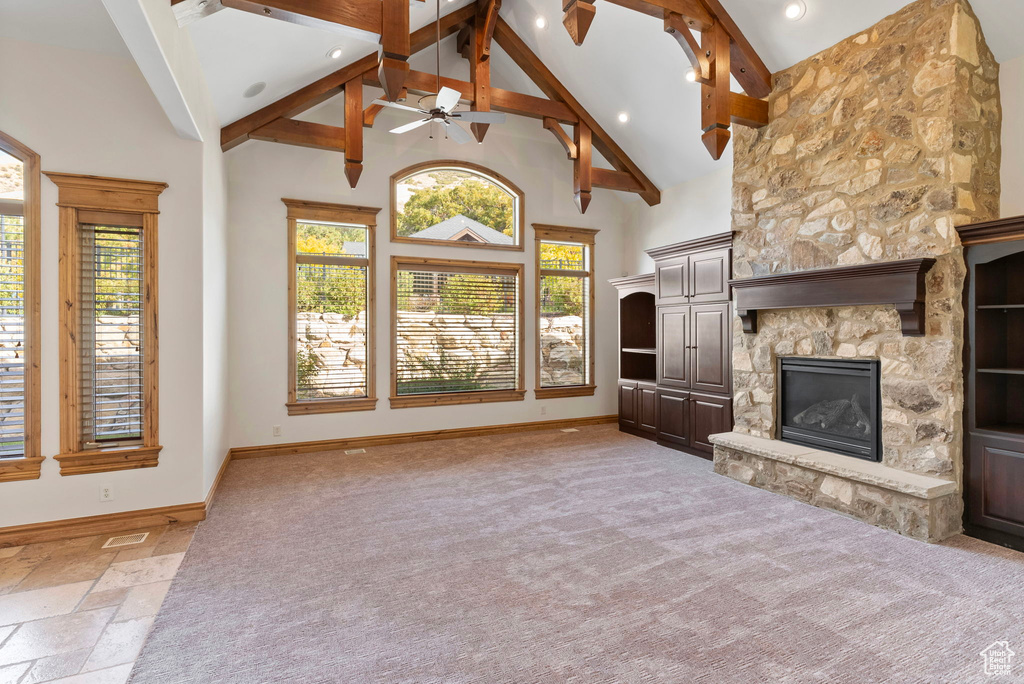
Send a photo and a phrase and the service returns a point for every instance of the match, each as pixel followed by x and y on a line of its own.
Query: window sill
pixel 15 469
pixel 418 400
pixel 302 408
pixel 560 392
pixel 106 460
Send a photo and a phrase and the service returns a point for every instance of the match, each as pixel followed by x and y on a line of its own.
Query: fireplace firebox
pixel 831 404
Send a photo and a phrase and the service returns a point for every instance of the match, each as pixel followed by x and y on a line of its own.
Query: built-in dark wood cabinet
pixel 994 381
pixel 676 346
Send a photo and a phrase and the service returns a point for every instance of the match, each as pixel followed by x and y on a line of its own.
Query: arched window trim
pixel 476 169
pixel 28 467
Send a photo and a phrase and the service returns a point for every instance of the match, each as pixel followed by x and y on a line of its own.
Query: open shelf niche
pixel 998 352
pixel 637 334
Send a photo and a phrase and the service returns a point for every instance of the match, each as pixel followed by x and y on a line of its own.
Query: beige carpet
pixel 590 557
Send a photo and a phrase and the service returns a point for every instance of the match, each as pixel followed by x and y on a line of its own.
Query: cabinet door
pixel 672 280
pixel 627 404
pixel 674 417
pixel 995 483
pixel 709 276
pixel 647 405
pixel 710 351
pixel 708 416
pixel 674 346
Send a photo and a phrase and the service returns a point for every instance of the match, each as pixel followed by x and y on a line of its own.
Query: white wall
pixel 1011 87
pixel 260 174
pixel 690 210
pixel 90 113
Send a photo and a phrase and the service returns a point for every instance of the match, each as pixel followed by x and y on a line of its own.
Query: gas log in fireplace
pixel 832 405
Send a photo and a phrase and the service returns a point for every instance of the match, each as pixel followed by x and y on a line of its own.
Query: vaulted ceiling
pixel 627 63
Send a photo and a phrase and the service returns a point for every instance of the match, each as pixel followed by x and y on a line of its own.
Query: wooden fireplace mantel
pixel 900 283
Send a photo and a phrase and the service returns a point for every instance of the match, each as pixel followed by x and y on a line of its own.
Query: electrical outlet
pixel 106 492
pixel 277 430
pixel 543 410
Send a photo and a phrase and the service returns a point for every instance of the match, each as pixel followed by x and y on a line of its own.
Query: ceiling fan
pixel 442 110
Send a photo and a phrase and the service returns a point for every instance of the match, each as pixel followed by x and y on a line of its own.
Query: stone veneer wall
pixel 878 147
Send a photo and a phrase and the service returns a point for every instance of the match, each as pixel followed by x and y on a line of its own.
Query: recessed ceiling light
pixel 335 52
pixel 623 117
pixel 541 22
pixel 795 9
pixel 691 75
pixel 254 90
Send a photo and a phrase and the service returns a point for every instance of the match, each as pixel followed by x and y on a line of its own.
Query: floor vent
pixel 570 430
pixel 126 540
pixel 355 451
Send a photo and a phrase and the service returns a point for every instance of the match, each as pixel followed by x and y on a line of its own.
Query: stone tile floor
pixel 71 611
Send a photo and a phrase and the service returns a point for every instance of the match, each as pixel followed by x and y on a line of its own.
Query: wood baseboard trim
pixel 406 437
pixel 34 533
pixel 217 480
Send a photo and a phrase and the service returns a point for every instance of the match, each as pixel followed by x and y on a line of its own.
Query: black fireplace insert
pixel 831 404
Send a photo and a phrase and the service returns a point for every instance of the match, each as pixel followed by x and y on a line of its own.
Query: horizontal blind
pixel 331 329
pixel 113 334
pixel 564 323
pixel 12 336
pixel 456 332
pixel 331 281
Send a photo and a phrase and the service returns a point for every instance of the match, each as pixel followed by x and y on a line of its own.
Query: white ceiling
pixel 626 64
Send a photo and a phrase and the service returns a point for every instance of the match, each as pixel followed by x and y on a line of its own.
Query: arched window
pixel 19 311
pixel 453 202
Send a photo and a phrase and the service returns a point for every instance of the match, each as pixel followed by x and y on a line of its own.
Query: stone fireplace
pixel 878 148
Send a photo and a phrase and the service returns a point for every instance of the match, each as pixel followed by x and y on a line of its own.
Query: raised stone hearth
pixel 914 505
pixel 878 147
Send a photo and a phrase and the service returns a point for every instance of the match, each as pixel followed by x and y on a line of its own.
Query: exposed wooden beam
pixel 354 129
pixel 582 168
pixel 291 105
pixel 677 27
pixel 422 83
pixel 488 14
pixel 302 134
pixel 329 15
pixel 748 111
pixel 327 87
pixel 614 180
pixel 423 38
pixel 514 46
pixel 747 67
pixel 561 136
pixel 395 44
pixel 479 64
pixel 577 17
pixel 693 12
pixel 715 105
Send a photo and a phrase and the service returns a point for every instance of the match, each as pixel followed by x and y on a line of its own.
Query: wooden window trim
pixel 453 398
pixel 457 165
pixel 306 211
pixel 133 203
pixel 585 236
pixel 28 467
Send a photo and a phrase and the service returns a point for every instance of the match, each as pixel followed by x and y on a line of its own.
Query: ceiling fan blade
pixel 457 133
pixel 395 105
pixel 480 117
pixel 410 126
pixel 447 99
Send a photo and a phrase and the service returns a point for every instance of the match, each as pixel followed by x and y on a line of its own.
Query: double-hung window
pixel 331 251
pixel 109 334
pixel 457 332
pixel 565 311
pixel 20 455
